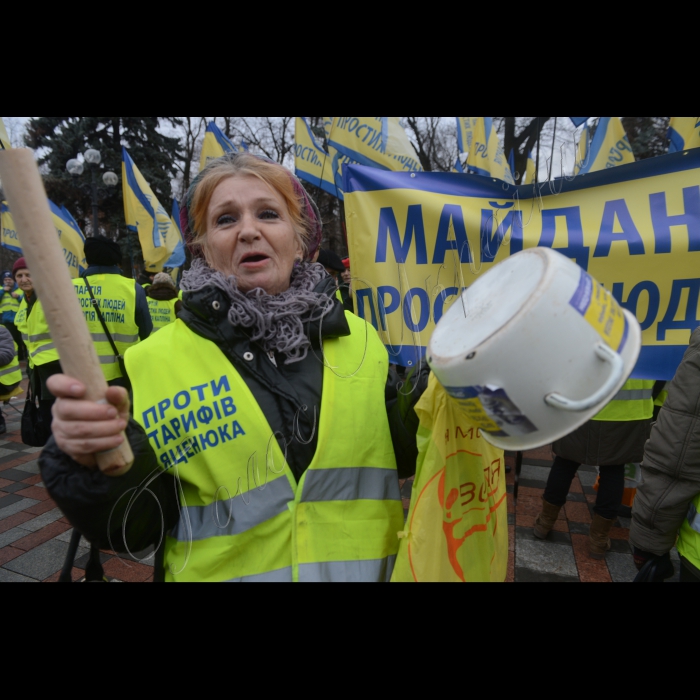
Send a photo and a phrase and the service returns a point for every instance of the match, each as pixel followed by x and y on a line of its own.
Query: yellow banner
pixel 416 241
pixel 4 138
pixel 379 142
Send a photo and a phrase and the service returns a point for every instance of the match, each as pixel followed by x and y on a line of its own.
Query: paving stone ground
pixel 34 535
pixel 564 557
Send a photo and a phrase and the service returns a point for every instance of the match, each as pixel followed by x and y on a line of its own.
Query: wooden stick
pixel 40 244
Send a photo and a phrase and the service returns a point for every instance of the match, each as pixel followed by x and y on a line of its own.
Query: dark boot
pixel 3 425
pixel 547 519
pixel 600 537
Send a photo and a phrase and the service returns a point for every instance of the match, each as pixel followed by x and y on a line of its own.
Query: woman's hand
pixel 84 428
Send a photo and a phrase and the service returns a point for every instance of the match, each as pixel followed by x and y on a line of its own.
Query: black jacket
pixel 97 506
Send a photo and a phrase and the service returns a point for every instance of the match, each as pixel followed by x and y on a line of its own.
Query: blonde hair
pixel 243 164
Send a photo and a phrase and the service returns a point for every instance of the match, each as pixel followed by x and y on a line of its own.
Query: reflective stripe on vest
pixel 635 402
pixel 40 347
pixel 243 516
pixel 8 304
pixel 116 296
pixel 379 570
pixel 23 325
pixel 280 576
pixel 245 512
pixel 689 536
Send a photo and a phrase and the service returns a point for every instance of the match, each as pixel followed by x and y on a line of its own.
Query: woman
pixel 10 300
pixel 43 357
pixel 260 417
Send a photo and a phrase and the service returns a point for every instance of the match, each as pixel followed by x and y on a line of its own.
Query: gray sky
pixel 564 152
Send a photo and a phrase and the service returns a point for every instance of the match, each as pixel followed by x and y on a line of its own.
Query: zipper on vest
pixel 271 355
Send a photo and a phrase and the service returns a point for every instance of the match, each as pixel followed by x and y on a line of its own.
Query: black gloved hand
pixel 659 569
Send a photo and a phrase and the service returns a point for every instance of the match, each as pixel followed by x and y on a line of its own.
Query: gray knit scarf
pixel 277 323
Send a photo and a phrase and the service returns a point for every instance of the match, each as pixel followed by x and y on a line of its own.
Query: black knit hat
pixel 102 252
pixel 330 260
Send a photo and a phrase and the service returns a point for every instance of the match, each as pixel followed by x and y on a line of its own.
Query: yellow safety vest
pixel 689 538
pixel 11 374
pixel 162 313
pixel 634 402
pixel 243 515
pixel 22 324
pixel 662 397
pixel 116 296
pixel 8 304
pixel 36 334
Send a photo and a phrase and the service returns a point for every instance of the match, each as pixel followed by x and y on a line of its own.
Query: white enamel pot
pixel 534 349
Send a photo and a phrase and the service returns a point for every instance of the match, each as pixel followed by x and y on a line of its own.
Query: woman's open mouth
pixel 254 260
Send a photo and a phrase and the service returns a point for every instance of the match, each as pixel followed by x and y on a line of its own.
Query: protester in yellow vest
pixel 163 301
pixel 43 360
pixel 122 305
pixel 614 438
pixel 667 508
pixel 10 372
pixel 10 299
pixel 261 426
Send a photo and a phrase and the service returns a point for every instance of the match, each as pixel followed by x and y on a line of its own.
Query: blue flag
pixel 579 120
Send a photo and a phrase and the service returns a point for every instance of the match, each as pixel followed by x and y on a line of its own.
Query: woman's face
pixel 347 277
pixel 250 235
pixel 24 281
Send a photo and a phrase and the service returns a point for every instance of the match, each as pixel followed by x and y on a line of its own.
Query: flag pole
pixel 539 140
pixel 554 145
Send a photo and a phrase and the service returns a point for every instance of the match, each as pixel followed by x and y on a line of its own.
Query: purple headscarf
pixel 311 211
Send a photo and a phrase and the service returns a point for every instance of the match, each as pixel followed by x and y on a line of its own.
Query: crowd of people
pixel 248 465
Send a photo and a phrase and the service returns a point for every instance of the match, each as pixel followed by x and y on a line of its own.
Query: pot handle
pixel 606 354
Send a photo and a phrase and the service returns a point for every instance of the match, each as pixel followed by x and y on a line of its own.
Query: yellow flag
pixel 145 216
pixel 379 142
pixel 610 147
pixel 217 144
pixel 72 239
pixel 530 171
pixel 4 138
pixel 486 154
pixel 312 163
pixel 684 133
pixel 457 529
pixel 69 233
pixel 9 239
pixel 316 166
